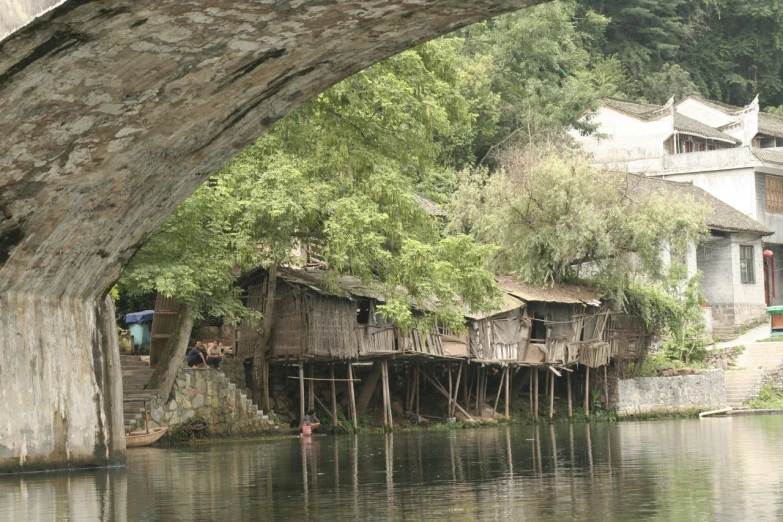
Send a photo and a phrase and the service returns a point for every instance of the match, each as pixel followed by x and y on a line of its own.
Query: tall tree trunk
pixel 261 347
pixel 173 354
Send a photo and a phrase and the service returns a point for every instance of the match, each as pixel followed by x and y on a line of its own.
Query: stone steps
pixel 754 362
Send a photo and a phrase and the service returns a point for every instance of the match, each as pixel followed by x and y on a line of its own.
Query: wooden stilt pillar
pixel 479 390
pixel 606 390
pixel 334 396
pixel 456 390
pixel 466 387
pixel 530 394
pixel 536 389
pixel 551 396
pixel 265 378
pixel 451 393
pixel 570 405
pixel 385 396
pixel 352 397
pixel 301 392
pixel 388 394
pixel 500 386
pixel 418 387
pixel 311 396
pixel 508 391
pixel 587 393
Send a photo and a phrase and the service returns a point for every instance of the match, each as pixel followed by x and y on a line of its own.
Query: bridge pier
pixel 61 391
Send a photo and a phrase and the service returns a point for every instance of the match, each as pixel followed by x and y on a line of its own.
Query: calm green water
pixel 717 469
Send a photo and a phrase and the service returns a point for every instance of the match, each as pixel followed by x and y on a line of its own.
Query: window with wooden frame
pixel 774 194
pixel 746 265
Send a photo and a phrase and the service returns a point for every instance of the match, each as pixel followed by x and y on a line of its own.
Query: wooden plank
pixel 352 397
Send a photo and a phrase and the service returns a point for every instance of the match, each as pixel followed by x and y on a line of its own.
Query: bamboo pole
pixel 352 397
pixel 311 396
pixel 334 396
pixel 456 389
pixel 418 388
pixel 466 387
pixel 587 393
pixel 570 405
pixel 536 389
pixel 479 389
pixel 606 390
pixel 451 393
pixel 509 375
pixel 551 396
pixel 388 394
pixel 384 389
pixel 530 394
pixel 301 392
pixel 266 383
pixel 500 387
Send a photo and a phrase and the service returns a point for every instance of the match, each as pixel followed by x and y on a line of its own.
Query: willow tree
pixel 556 218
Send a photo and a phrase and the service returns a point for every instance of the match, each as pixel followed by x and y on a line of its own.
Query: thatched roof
pixel 566 294
pixel 433 209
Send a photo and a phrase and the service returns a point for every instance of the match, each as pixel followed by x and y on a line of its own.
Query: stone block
pixel 198 401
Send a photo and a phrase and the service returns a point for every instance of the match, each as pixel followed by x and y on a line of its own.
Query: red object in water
pixel 307 429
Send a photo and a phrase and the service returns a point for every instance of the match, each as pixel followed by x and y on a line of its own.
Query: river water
pixel 717 469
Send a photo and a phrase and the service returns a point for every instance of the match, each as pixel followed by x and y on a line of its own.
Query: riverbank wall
pixel 213 397
pixel 668 395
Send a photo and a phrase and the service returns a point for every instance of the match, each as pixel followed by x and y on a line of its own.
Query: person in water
pixel 309 420
pixel 197 356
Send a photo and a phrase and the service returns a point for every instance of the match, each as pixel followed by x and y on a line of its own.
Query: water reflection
pixel 721 469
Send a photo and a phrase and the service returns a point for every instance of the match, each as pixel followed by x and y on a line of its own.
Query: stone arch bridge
pixel 112 112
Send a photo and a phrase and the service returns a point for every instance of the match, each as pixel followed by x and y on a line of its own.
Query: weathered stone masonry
pixel 650 395
pixel 111 113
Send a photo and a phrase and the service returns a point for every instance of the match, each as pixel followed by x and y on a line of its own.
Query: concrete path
pixel 751 336
pixel 751 365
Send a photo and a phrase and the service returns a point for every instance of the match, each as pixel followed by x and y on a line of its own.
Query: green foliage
pixel 769 397
pixel 673 308
pixel 556 218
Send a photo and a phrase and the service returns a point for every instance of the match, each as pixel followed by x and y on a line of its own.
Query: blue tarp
pixel 139 317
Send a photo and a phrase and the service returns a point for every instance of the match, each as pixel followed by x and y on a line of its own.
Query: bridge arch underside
pixel 112 112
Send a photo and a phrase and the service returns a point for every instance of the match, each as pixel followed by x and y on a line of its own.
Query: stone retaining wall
pixel 209 395
pixel 648 395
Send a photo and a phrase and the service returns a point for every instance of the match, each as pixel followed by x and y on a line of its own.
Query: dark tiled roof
pixel 433 209
pixel 770 124
pixel 567 294
pixel 639 109
pixel 769 156
pixel 722 217
pixel 688 125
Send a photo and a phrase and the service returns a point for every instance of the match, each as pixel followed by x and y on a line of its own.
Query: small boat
pixel 144 438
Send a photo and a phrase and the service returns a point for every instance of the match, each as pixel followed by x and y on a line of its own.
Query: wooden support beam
pixel 587 393
pixel 334 396
pixel 326 410
pixel 500 386
pixel 388 394
pixel 551 396
pixel 509 375
pixel 311 388
pixel 606 390
pixel 352 397
pixel 418 388
pixel 456 389
pixel 466 387
pixel 536 386
pixel 326 380
pixel 443 391
pixel 451 393
pixel 385 397
pixel 570 405
pixel 266 383
pixel 301 393
pixel 532 381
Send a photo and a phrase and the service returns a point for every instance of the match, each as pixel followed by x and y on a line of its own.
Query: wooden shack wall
pixel 290 334
pixel 331 326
